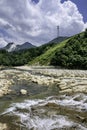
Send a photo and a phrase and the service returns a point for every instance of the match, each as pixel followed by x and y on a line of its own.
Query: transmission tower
pixel 58 31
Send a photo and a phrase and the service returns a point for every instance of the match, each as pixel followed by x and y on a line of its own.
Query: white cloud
pixel 23 20
pixel 2 42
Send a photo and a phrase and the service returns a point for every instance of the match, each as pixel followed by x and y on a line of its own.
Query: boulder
pixel 23 92
pixel 3 126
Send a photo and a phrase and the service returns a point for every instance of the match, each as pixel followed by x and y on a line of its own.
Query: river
pixel 44 108
pixel 59 112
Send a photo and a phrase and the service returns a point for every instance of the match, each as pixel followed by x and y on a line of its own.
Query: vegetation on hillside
pixel 22 57
pixel 45 58
pixel 73 54
pixel 70 53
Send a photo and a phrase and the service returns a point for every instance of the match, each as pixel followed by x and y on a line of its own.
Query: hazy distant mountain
pixel 14 47
pixel 10 47
pixel 58 39
pixel 26 45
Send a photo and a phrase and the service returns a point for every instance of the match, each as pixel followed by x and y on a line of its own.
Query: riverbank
pixel 67 81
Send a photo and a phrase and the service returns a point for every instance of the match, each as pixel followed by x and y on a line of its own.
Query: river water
pixel 53 112
pixel 43 108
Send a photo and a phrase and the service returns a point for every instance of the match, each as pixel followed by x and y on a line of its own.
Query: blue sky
pixel 36 21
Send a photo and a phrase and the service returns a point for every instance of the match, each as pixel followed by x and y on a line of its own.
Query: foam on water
pixel 46 123
pixel 78 101
pixel 31 119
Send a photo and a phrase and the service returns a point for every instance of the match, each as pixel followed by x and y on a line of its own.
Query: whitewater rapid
pixel 46 114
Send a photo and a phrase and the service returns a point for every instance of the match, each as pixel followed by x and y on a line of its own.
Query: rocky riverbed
pixel 68 81
pixel 43 95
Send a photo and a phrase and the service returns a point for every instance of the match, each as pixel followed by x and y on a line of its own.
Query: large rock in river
pixel 23 92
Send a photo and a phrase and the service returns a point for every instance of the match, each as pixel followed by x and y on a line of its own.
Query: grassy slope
pixel 45 58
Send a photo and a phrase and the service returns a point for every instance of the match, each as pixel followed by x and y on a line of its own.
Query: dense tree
pixel 85 33
pixel 22 57
pixel 73 54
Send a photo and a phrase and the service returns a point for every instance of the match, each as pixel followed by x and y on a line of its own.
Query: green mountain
pixel 70 53
pixel 47 50
pixel 74 54
pixel 45 58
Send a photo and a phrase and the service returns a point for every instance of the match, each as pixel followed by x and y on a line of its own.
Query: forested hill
pixel 70 53
pixel 22 57
pixel 73 54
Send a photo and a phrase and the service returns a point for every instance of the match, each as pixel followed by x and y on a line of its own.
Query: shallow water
pixel 43 108
pixel 61 112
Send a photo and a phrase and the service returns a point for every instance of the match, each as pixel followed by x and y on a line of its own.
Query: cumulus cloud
pixel 24 20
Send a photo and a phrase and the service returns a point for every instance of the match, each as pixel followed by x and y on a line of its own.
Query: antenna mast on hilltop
pixel 58 31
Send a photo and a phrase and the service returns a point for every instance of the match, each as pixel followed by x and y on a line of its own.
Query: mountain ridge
pixel 70 53
pixel 58 39
pixel 10 47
